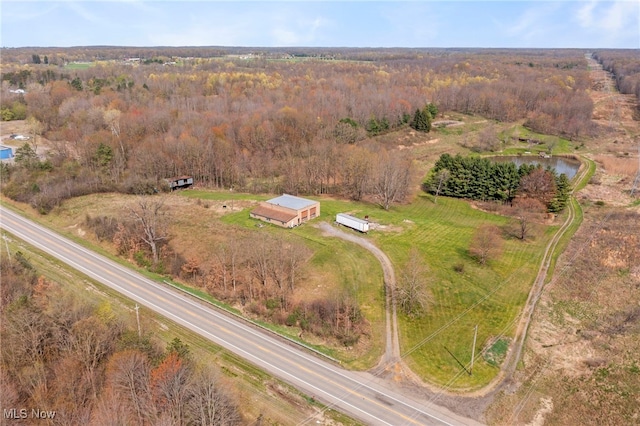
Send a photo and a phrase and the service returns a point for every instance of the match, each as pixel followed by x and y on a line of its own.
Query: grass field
pixel 79 65
pixel 490 296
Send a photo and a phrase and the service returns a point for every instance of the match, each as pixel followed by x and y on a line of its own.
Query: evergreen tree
pixel 433 109
pixel 76 83
pixel 26 156
pixel 373 127
pixel 384 124
pixel 421 120
pixel 563 191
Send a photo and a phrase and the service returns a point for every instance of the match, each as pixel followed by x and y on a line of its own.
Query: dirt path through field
pixel 391 363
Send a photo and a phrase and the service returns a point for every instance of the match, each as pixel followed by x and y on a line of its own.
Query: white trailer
pixel 352 222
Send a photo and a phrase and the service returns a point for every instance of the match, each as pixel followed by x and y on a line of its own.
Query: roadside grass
pixel 591 170
pixel 252 387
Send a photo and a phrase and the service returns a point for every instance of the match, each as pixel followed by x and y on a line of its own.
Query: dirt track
pixel 392 347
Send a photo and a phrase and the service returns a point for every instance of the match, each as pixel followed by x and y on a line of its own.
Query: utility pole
pixel 138 320
pixel 473 349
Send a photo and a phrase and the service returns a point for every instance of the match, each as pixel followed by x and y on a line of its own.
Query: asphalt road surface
pixel 357 394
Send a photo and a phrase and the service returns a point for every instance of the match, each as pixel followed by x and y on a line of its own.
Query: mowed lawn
pixel 463 293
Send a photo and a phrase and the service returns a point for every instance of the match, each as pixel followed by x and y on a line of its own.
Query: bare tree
pixel 210 403
pixel 35 128
pixel 391 178
pixel 412 294
pixel 229 257
pixel 128 377
pixel 526 210
pixel 260 256
pixel 486 243
pixel 91 341
pixel 149 216
pixel 284 269
pixel 110 409
pixel 169 387
pixel 355 171
pixel 440 179
pixel 112 119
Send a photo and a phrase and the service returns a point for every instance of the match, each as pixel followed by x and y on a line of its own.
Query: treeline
pixel 261 125
pixel 481 179
pixel 259 273
pixel 25 55
pixel 82 361
pixel 625 67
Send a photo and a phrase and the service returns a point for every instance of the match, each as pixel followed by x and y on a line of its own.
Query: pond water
pixel 568 166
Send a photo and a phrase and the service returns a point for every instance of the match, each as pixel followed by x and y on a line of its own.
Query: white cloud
pixel 534 22
pixel 612 20
pixel 79 9
pixel 585 14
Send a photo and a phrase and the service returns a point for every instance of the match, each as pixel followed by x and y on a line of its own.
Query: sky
pixel 364 23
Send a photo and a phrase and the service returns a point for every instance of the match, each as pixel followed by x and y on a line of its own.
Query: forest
pixel 625 67
pixel 268 121
pixel 82 363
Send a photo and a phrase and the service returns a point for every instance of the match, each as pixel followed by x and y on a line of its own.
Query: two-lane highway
pixel 357 394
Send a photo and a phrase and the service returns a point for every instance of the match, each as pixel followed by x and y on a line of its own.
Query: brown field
pixel 621 166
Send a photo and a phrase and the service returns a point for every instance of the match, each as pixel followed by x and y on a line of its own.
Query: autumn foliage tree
pixel 64 354
pixel 539 184
pixel 264 126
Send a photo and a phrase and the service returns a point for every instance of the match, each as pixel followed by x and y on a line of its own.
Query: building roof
pixel 3 147
pixel 348 216
pixel 185 177
pixel 291 202
pixel 274 214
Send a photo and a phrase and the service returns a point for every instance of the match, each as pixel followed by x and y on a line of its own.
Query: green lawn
pixel 490 296
pixel 79 65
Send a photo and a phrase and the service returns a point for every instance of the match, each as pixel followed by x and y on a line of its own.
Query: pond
pixel 568 166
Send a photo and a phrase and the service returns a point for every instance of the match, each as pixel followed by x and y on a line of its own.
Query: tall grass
pixel 618 166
